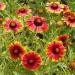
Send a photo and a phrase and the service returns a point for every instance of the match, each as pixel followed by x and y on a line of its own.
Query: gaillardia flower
pixel 64 38
pixel 2 6
pixel 55 50
pixel 38 24
pixel 54 7
pixel 24 11
pixel 69 18
pixel 16 50
pixel 13 25
pixel 31 61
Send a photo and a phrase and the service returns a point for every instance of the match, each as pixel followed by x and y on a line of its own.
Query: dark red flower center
pixel 56 51
pixel 16 51
pixel 72 19
pixel 23 10
pixel 31 61
pixel 38 22
pixel 13 25
pixel 54 6
pixel 55 48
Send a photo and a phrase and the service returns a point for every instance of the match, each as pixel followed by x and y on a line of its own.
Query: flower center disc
pixel 54 6
pixel 56 51
pixel 31 61
pixel 23 10
pixel 12 25
pixel 38 22
pixel 16 51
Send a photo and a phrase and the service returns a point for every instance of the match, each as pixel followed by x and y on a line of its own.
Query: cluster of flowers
pixel 55 50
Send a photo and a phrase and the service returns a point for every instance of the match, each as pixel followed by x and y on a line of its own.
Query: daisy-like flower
pixel 13 25
pixel 64 38
pixel 16 50
pixel 55 50
pixel 2 6
pixel 37 23
pixel 54 7
pixel 24 11
pixel 31 61
pixel 69 18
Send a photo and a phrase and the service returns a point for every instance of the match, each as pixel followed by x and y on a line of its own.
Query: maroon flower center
pixel 38 22
pixel 31 61
pixel 23 10
pixel 56 51
pixel 16 51
pixel 54 6
pixel 72 19
pixel 13 25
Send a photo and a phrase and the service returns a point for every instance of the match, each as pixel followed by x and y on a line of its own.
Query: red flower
pixel 13 25
pixel 23 11
pixel 31 61
pixel 37 23
pixel 63 38
pixel 2 6
pixel 54 7
pixel 55 50
pixel 65 8
pixel 16 50
pixel 69 18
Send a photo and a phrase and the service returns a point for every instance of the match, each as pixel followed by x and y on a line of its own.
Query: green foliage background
pixel 34 42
